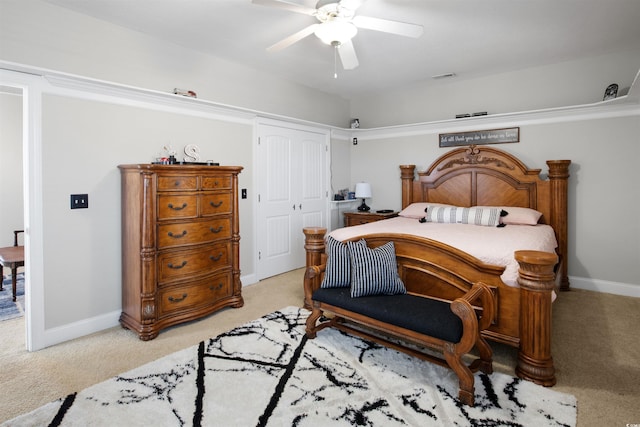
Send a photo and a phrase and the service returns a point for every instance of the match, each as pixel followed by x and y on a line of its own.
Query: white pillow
pixel 518 216
pixel 418 210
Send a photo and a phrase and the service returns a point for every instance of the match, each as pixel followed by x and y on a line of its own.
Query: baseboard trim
pixel 248 279
pixel 95 324
pixel 92 325
pixel 81 328
pixel 605 286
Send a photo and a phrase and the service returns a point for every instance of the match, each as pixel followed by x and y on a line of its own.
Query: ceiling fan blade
pixel 351 4
pixel 348 56
pixel 387 26
pixel 288 41
pixel 292 7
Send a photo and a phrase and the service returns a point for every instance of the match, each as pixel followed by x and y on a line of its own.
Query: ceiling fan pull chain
pixel 335 60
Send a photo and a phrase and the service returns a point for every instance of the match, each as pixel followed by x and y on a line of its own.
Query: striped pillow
pixel 457 215
pixel 374 271
pixel 338 269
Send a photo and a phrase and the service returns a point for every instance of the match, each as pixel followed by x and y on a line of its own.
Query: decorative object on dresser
pixel 363 191
pixel 180 244
pixel 357 217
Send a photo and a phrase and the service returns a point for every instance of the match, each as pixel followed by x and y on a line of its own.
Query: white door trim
pixel 31 87
pixel 325 132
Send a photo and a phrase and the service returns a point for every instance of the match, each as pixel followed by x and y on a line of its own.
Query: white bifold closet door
pixel 292 194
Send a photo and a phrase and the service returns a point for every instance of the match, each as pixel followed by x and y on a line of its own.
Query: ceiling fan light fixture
pixel 336 31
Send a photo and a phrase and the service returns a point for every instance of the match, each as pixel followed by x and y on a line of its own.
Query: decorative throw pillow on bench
pixel 367 271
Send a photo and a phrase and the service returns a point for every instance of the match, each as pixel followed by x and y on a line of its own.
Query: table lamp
pixel 363 191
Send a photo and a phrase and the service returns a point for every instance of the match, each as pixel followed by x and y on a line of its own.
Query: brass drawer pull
pixel 177 267
pixel 216 258
pixel 177 236
pixel 172 299
pixel 215 288
pixel 184 205
pixel 216 230
pixel 216 205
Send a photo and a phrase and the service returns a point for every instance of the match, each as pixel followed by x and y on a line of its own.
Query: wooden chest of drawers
pixel 180 244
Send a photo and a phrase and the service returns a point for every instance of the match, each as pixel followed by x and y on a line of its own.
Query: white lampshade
pixel 363 190
pixel 336 31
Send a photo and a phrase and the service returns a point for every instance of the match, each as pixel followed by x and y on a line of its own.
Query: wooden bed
pixel 483 176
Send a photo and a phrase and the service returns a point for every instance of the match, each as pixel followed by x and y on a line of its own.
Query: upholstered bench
pixel 448 328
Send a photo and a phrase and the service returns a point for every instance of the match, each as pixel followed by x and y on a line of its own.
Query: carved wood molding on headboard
pixel 473 157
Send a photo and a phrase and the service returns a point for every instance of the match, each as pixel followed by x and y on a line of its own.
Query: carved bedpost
pixel 314 247
pixel 559 176
pixel 314 244
pixel 407 175
pixel 536 279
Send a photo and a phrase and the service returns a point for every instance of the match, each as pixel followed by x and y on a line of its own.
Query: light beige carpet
pixel 595 348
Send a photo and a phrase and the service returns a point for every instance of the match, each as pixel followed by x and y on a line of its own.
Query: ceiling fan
pixel 338 24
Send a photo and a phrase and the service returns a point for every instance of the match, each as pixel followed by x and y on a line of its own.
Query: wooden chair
pixel 12 257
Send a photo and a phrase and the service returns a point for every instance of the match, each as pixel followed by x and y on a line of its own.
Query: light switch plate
pixel 79 201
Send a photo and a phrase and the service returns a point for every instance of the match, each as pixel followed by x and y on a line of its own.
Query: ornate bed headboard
pixel 484 176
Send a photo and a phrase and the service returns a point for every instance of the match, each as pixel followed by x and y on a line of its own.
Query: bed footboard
pixel 523 315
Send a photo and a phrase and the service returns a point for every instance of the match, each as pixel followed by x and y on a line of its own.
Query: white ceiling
pixel 466 37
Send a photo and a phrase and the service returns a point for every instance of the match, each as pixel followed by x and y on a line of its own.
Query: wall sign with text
pixel 480 137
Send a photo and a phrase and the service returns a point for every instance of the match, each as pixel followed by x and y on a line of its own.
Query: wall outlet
pixel 79 201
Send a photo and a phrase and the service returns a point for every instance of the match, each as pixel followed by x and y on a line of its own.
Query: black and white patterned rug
pixel 266 373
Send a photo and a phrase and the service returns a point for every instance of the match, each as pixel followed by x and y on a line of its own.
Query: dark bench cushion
pixel 426 316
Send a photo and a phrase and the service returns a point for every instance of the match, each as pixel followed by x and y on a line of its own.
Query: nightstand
pixel 357 217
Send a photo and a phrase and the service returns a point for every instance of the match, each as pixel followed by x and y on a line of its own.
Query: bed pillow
pixel 338 270
pixel 477 216
pixel 518 216
pixel 417 210
pixel 374 271
pixel 523 216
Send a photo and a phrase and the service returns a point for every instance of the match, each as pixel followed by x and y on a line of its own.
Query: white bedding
pixel 493 245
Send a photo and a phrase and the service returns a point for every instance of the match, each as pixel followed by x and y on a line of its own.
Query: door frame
pixel 258 165
pixel 32 88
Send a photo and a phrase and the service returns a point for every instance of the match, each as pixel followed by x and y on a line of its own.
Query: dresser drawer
pixel 187 233
pixel 212 204
pixel 194 262
pixel 177 183
pixel 193 295
pixel 172 206
pixel 216 182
